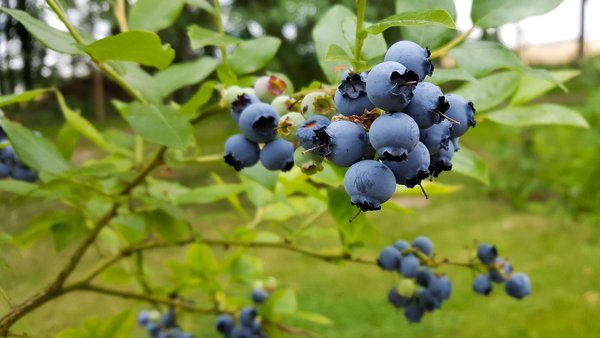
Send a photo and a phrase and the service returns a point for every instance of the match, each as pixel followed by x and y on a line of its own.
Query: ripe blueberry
pixel 486 253
pixel 411 55
pixel 410 266
pixel 306 133
pixel 424 245
pixel 342 142
pixel 442 161
pixel 396 299
pixel 394 135
pixel 414 169
pixel 259 296
pixel 224 323
pixel 278 155
pixel 240 152
pixel 413 312
pixel 389 258
pixel 351 96
pixel 369 183
pixel 247 316
pixel 427 105
pixel 463 112
pixel 390 86
pixel 482 285
pixel 518 286
pixel 240 103
pixel 501 270
pixel 436 137
pixel 259 122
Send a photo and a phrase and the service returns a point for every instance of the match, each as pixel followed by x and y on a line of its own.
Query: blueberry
pixel 440 287
pixel 482 285
pixel 394 136
pixel 424 245
pixel 454 141
pixel 411 55
pixel 318 103
pixel 410 266
pixel 427 301
pixel 7 153
pixel 351 96
pixel 256 328
pixel 413 312
pixel 269 87
pixel 241 103
pixel 396 299
pixel 168 320
pixel 390 86
pixel 442 161
pixel 427 105
pixel 369 183
pixel 389 258
pixel 247 316
pixel 240 152
pixel 225 324
pixel 5 169
pixel 3 134
pixel 425 277
pixel 309 162
pixel 184 335
pixel 501 269
pixel 278 155
pixel 23 173
pixel 231 93
pixel 463 112
pixel 259 122
pixel 487 253
pixel 414 169
pixel 368 152
pixel 342 142
pixel 259 296
pixel 241 332
pixel 153 329
pixel 289 124
pixel 436 137
pixel 306 133
pixel 402 245
pixel 143 318
pixel 518 286
pixel 407 288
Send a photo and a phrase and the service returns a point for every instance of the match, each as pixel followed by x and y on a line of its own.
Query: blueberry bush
pixel 383 121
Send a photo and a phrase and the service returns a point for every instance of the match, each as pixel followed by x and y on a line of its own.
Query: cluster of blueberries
pixel 499 270
pixel 10 166
pixel 249 324
pixel 388 126
pixel 161 327
pixel 421 289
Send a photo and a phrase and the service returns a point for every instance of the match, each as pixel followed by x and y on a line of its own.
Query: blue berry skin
pixel 414 169
pixel 351 96
pixel 424 245
pixel 518 286
pixel 454 141
pixel 168 320
pixel 259 122
pixel 486 253
pixel 241 332
pixel 225 324
pixel 394 135
pixel 425 277
pixel 440 287
pixel 441 161
pixel 389 258
pixel 427 301
pixel 482 285
pixel 306 133
pixel 2 132
pixel 143 318
pixel 436 137
pixel 413 313
pixel 396 299
pixel 22 173
pixel 240 152
pixel 184 335
pixel 247 316
pixel 410 266
pixel 342 142
pixel 413 56
pixel 504 266
pixel 242 101
pixel 278 155
pixel 426 105
pixel 369 183
pixel 462 111
pixel 5 170
pixel 401 245
pixel 259 296
pixel 390 86
pixel 153 329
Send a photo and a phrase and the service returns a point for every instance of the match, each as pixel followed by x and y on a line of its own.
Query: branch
pixel 443 51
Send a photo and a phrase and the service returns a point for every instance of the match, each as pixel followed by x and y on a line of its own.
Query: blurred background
pixel 541 208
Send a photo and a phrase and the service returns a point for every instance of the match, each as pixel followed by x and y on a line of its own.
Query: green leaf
pixel 201 37
pixel 131 226
pixel 312 317
pixel 66 140
pixel 337 53
pixel 413 18
pixel 262 176
pixel 34 150
pixel 165 225
pixel 210 194
pixel 136 46
pixel 490 91
pixel 52 38
pixel 162 125
pixel 253 55
pixel 119 326
pixel 27 96
pixel 85 127
pixel 201 260
pixel 17 187
pixel 280 302
pixel 226 75
pixel 139 79
pixel 202 96
pixel 431 36
pixel 446 75
pixel 541 114
pixel 181 75
pixel 245 268
pixel 432 188
pixel 483 57
pixel 202 4
pixel 533 87
pixel 354 233
pixel 494 13
pixel 469 164
pixel 154 15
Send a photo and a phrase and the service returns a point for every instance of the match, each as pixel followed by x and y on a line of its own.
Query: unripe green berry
pixel 269 87
pixel 231 94
pixel 317 103
pixel 407 288
pixel 288 124
pixel 271 283
pixel 309 162
pixel 282 104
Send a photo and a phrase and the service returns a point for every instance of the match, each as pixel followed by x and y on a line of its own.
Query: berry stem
pixel 219 24
pixel 423 190
pixel 360 36
pixel 443 51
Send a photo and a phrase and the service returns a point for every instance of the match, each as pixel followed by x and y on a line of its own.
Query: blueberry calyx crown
pixel 239 104
pixel 421 175
pixel 322 141
pixel 388 156
pixel 404 83
pixel 431 66
pixel 353 86
pixel 264 124
pixel 441 108
pixel 230 159
pixel 472 121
